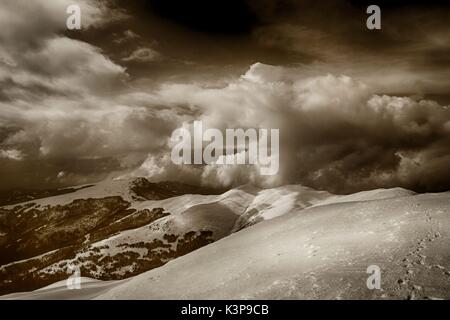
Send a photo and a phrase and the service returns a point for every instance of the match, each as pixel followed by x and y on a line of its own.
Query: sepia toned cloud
pixel 359 112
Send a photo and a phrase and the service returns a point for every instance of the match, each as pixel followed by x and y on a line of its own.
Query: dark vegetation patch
pixel 48 238
pixel 10 197
pixel 146 190
pixel 59 233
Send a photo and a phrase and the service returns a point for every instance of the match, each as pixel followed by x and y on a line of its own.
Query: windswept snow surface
pixel 291 242
pixel 318 253
pixel 89 288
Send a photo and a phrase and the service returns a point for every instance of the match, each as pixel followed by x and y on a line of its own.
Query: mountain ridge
pixel 157 224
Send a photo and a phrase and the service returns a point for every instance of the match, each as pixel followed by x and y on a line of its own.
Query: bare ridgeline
pixel 224 149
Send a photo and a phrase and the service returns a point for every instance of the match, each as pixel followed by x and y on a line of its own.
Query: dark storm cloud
pixel 216 17
pixel 336 30
pixel 352 105
pixel 186 37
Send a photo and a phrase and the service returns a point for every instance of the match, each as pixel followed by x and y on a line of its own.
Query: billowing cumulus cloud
pixel 336 132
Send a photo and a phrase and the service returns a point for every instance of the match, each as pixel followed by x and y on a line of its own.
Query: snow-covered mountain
pixel 120 228
pixel 111 230
pixel 286 242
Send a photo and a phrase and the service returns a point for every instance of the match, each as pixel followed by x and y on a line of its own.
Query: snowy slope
pixel 89 288
pixel 120 228
pixel 292 242
pixel 271 203
pixel 321 252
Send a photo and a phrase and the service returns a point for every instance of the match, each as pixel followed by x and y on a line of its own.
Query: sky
pixel 357 109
